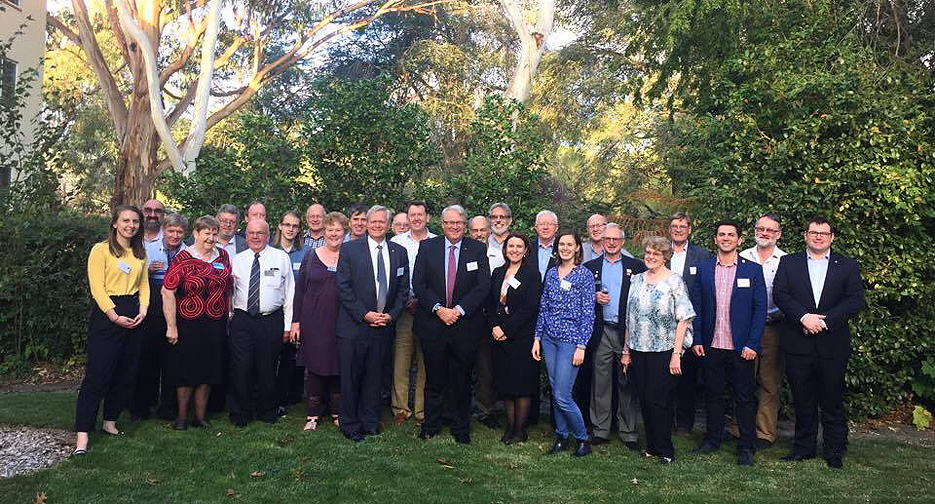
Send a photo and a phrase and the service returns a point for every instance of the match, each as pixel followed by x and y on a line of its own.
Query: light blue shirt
pixel 817 271
pixel 457 246
pixel 296 255
pixel 543 258
pixel 158 251
pixel 611 278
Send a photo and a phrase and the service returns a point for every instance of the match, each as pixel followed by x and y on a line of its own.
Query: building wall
pixel 27 50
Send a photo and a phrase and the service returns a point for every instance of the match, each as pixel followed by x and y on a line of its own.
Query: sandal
pixel 334 418
pixel 311 423
pixel 79 452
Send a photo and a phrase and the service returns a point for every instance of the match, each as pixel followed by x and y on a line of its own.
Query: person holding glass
pixel 314 322
pixel 196 303
pixel 563 328
pixel 658 330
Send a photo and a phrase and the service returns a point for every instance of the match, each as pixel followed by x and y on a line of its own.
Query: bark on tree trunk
pixel 137 162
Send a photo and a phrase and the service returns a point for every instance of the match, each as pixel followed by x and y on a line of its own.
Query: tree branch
pixel 66 31
pixel 115 26
pixel 194 33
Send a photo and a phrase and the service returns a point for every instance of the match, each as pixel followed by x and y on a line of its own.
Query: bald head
pixel 479 228
pixel 314 217
pixel 596 225
pixel 257 234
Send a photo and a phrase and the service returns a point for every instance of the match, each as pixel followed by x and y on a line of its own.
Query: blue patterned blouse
pixel 566 312
pixel 654 311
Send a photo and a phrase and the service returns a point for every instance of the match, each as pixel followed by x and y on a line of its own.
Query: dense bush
pixel 805 120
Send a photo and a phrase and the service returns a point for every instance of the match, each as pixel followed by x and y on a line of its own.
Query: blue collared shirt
pixel 543 258
pixel 158 251
pixel 295 256
pixel 817 271
pixel 611 278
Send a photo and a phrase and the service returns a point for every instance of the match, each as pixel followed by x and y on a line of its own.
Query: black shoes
pixel 561 444
pixel 705 448
pixel 798 457
pixel 462 438
pixel 584 448
pixel 835 462
pixel 180 424
pixel 745 458
pixel 597 441
pixel 354 436
pixel 282 411
pixel 424 434
pixel 490 421
pixel 202 423
pixel 632 445
pixel 762 444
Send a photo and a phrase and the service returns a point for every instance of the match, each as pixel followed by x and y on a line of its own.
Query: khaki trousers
pixel 405 346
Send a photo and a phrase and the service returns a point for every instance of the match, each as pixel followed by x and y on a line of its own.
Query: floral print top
pixel 654 311
pixel 566 311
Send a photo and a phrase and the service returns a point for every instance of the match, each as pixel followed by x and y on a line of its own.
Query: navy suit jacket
pixel 747 304
pixel 694 255
pixel 540 250
pixel 470 291
pixel 596 265
pixel 357 289
pixel 842 297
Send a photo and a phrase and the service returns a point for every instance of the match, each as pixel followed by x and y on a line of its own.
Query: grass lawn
pixel 279 463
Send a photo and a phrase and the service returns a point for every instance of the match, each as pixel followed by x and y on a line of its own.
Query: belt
pixel 258 315
pixel 613 325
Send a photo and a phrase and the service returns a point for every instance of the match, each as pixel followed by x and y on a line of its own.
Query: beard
pixel 151 224
pixel 765 242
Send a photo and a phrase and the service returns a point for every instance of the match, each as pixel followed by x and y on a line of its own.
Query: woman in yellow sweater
pixel 119 286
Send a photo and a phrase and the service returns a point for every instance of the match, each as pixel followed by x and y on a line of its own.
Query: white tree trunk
pixel 196 134
pixel 532 45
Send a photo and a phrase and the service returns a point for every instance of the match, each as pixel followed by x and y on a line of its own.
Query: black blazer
pixel 518 317
pixel 630 267
pixel 472 286
pixel 842 297
pixel 358 291
pixel 694 256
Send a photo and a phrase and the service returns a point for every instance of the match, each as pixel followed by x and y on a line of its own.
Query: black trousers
pixel 449 360
pixel 113 354
pixel 254 351
pixel 723 368
pixel 151 388
pixel 655 388
pixel 361 363
pixel 687 391
pixel 817 381
pixel 290 378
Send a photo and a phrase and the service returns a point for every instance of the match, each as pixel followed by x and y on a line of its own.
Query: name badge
pixel 629 272
pixel 296 266
pixel 333 269
pixel 692 270
pixel 400 271
pixel 271 272
pixel 217 265
pixel 565 285
pixel 472 266
pixel 514 283
pixel 124 267
pixel 743 282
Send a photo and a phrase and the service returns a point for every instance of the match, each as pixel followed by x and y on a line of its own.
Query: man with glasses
pixel 314 237
pixel 770 363
pixel 818 291
pixel 685 260
pixel 153 212
pixel 484 396
pixel 227 238
pixel 500 219
pixel 452 282
pixel 546 227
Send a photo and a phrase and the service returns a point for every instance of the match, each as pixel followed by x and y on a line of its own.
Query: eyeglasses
pixel 227 222
pixel 816 234
pixel 596 226
pixel 453 222
pixel 546 224
pixel 154 210
pixel 761 229
pixel 499 217
pixel 678 226
pixel 610 239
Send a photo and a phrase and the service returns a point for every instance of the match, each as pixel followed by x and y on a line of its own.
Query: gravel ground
pixel 25 449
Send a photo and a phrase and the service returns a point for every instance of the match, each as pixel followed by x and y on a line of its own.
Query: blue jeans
pixel 562 374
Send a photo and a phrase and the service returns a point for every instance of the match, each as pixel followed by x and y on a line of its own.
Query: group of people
pixel 347 313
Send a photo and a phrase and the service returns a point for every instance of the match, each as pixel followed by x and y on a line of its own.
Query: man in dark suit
pixel 685 260
pixel 818 291
pixel 373 281
pixel 451 280
pixel 595 391
pixel 729 297
pixel 546 226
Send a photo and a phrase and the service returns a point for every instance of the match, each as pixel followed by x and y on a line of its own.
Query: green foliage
pixel 923 385
pixel 362 148
pixel 252 158
pixel 804 120
pixel 921 418
pixel 506 161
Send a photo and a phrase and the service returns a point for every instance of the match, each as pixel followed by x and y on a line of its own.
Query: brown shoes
pixel 400 418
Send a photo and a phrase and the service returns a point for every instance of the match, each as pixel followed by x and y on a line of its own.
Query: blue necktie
pixel 253 296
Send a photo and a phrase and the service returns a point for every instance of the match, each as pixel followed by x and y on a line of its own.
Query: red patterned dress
pixel 202 293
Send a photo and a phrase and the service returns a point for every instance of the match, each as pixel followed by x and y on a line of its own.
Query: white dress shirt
pixel 769 274
pixel 386 263
pixel 494 258
pixel 817 271
pixel 677 262
pixel 276 284
pixel 412 250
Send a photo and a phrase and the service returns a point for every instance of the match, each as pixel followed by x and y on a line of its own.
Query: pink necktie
pixel 452 270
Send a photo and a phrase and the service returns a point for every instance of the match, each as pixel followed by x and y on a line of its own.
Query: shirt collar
pixel 261 252
pixel 550 245
pixel 618 261
pixel 824 257
pixel 448 243
pixel 731 265
pixel 373 243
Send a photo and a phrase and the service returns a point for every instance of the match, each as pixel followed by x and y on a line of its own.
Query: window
pixel 7 79
pixel 14 2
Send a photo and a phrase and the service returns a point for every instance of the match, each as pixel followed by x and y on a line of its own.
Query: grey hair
pixel 378 208
pixel 614 225
pixel 456 208
pixel 486 220
pixel 502 206
pixel 228 208
pixel 175 219
pixel 546 213
pixel 773 217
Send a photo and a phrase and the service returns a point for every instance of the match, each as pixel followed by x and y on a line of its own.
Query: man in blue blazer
pixel 373 282
pixel 818 291
pixel 729 297
pixel 451 279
